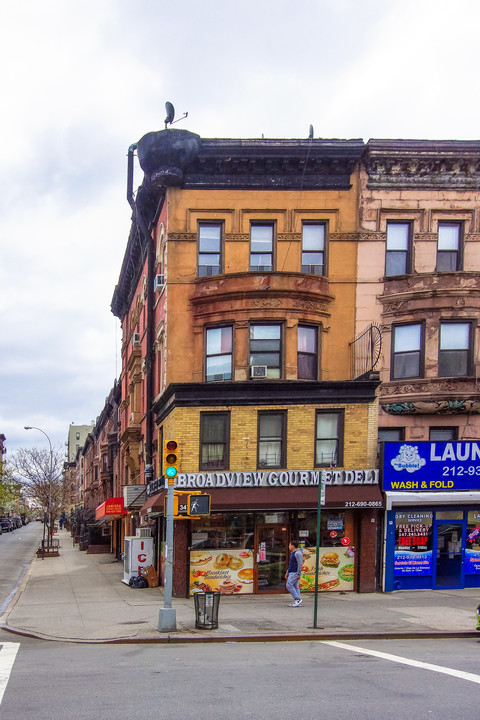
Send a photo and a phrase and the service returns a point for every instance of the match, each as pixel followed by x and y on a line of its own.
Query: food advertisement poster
pixel 228 572
pixel 335 569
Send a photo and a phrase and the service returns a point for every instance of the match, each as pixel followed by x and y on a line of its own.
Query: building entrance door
pixel 271 553
pixel 449 554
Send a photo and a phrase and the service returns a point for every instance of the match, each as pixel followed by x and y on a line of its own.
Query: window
pixel 443 434
pixel 391 434
pixel 77 435
pixel 265 348
pixel 209 249
pixel 329 439
pixel 307 353
pixel 271 439
pixel 218 361
pixel 214 441
pixel 313 248
pixel 455 353
pixel 407 351
pixel 449 247
pixel 398 252
pixel 261 247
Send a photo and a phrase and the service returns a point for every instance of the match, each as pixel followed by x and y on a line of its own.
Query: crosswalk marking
pixel 406 661
pixel 8 653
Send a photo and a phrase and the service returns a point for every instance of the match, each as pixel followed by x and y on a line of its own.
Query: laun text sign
pixel 431 466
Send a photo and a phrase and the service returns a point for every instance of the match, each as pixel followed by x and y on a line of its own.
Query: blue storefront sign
pixel 431 466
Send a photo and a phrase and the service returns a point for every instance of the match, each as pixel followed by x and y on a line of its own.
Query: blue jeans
pixel 292 585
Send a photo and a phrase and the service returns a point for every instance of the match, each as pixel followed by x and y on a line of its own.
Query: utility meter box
pixel 138 553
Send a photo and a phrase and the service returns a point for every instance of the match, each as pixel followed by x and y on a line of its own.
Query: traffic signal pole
pixel 167 620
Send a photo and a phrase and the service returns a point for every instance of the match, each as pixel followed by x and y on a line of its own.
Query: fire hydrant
pixel 478 618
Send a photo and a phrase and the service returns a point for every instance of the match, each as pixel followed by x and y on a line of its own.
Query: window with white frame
pixel 455 354
pixel 407 351
pixel 265 349
pixel 209 249
pixel 313 248
pixel 219 353
pixel 329 438
pixel 398 249
pixel 272 439
pixel 449 256
pixel 261 247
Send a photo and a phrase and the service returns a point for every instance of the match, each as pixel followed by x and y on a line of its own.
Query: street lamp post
pixel 32 427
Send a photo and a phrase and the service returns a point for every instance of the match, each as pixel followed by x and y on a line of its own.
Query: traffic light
pixel 170 459
pixel 198 505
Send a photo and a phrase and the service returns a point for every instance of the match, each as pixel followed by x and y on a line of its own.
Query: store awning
pixel 154 505
pixel 111 509
pixel 432 498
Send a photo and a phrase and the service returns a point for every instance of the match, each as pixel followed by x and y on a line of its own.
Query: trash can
pixel 206 610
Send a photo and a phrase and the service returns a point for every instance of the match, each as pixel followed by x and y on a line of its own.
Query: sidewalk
pixel 81 598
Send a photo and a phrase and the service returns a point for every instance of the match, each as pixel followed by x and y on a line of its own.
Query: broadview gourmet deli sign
pixel 272 478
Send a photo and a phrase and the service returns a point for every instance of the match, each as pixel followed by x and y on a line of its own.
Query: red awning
pixel 112 507
pixel 154 505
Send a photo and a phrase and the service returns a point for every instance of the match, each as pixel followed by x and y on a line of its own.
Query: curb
pixel 294 637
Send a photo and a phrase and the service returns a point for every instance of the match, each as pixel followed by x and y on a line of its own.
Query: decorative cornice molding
pixel 420 164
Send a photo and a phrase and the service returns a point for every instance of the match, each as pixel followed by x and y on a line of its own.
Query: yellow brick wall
pixel 360 435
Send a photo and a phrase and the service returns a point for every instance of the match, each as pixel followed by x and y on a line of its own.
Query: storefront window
pixel 413 543
pixel 223 530
pixel 472 549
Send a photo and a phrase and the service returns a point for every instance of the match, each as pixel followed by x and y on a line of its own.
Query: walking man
pixel 294 571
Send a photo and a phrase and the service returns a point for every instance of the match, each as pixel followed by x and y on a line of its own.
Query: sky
pixel 81 80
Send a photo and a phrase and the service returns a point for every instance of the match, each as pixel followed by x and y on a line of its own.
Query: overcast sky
pixel 81 80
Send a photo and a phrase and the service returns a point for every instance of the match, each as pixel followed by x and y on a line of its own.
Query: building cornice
pixel 423 164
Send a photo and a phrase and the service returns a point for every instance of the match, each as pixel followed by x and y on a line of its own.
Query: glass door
pixel 271 550
pixel 449 554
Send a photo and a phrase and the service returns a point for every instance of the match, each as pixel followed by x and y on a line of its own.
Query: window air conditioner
pixel 158 283
pixel 144 532
pixel 135 338
pixel 258 371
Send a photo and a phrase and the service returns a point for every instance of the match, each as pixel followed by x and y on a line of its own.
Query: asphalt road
pixel 399 680
pixel 17 549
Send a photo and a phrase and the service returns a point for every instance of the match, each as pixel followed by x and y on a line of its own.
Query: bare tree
pixel 40 474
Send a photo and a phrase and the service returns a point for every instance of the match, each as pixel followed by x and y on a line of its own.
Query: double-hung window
pixel 214 440
pixel 272 439
pixel 407 351
pixel 265 349
pixel 261 246
pixel 209 249
pixel 307 353
pixel 313 248
pixel 449 246
pixel 329 438
pixel 219 353
pixel 398 259
pixel 456 349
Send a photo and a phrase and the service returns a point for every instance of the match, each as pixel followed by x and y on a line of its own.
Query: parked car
pixel 7 525
pixel 17 521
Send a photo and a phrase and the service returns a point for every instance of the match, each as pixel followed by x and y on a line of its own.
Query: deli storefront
pixel 242 546
pixel 432 538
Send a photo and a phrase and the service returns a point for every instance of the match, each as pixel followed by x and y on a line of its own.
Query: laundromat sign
pixel 431 466
pixel 286 478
